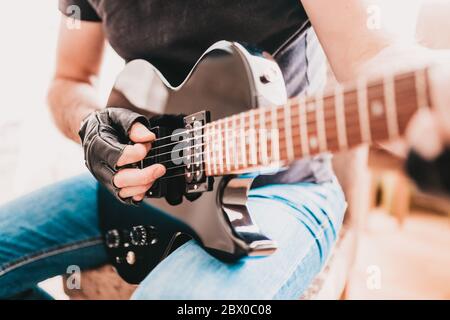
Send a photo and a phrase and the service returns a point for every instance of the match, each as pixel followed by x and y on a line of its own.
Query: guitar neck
pixel 334 121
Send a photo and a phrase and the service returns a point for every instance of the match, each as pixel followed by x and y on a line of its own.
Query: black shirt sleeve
pixel 86 11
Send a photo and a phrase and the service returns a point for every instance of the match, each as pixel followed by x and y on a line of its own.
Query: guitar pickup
pixel 182 153
pixel 159 153
pixel 195 169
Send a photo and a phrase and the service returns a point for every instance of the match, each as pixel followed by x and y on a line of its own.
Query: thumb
pixel 140 134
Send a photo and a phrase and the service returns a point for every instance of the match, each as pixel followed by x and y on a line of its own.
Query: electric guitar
pixel 254 126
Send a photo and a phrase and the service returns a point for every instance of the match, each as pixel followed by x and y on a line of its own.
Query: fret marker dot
pixel 377 108
pixel 313 142
pixel 310 107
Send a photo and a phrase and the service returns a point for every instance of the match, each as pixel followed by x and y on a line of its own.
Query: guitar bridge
pixel 195 170
pixel 181 152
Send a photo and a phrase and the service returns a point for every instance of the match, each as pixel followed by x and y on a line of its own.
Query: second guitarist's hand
pixel 106 137
pixel 428 136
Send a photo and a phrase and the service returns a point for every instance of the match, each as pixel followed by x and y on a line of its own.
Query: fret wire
pixel 214 148
pixel 332 149
pixel 243 146
pixel 208 149
pixel 274 135
pixel 339 104
pixel 389 95
pixel 228 172
pixel 363 110
pixel 235 143
pixel 221 162
pixel 288 131
pixel 320 121
pixel 402 77
pixel 232 140
pixel 303 125
pixel 263 137
pixel 227 147
pixel 403 91
pixel 281 119
pixel 420 77
pixel 252 132
pixel 402 112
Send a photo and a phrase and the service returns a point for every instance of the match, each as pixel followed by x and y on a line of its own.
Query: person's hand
pixel 113 138
pixel 428 136
pixel 428 162
pixel 428 132
pixel 176 183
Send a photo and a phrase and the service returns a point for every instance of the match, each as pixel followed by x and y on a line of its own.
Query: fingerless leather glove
pixel 104 136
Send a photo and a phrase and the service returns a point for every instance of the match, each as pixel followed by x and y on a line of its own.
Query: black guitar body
pixel 136 240
pixel 227 79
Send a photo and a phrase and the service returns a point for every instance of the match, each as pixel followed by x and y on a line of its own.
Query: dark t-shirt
pixel 172 35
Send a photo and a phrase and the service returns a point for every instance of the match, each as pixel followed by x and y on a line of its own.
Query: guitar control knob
pixel 138 236
pixel 112 239
pixel 131 258
pixel 152 235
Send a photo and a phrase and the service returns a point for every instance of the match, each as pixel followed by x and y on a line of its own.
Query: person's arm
pixel 341 27
pixel 73 94
pixel 355 50
pixel 73 97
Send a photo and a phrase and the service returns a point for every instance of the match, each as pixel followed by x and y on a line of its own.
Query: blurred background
pixel 404 234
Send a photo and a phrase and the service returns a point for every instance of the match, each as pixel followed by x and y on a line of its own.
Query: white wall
pixel 32 152
pixel 28 32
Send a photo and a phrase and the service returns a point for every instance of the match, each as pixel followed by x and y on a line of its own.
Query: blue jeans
pixel 44 233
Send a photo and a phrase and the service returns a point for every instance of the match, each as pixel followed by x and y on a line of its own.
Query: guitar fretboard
pixel 370 111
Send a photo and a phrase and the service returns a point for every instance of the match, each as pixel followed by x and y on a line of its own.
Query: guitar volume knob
pixel 112 239
pixel 138 236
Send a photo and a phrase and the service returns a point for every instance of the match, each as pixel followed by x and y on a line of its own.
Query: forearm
pixel 70 102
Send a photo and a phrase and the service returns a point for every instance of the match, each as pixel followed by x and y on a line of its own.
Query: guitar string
pixel 248 114
pixel 192 148
pixel 308 100
pixel 224 172
pixel 221 132
pixel 192 153
pixel 257 129
pixel 294 115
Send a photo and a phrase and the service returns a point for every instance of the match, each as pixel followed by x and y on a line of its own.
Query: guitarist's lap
pixel 53 229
